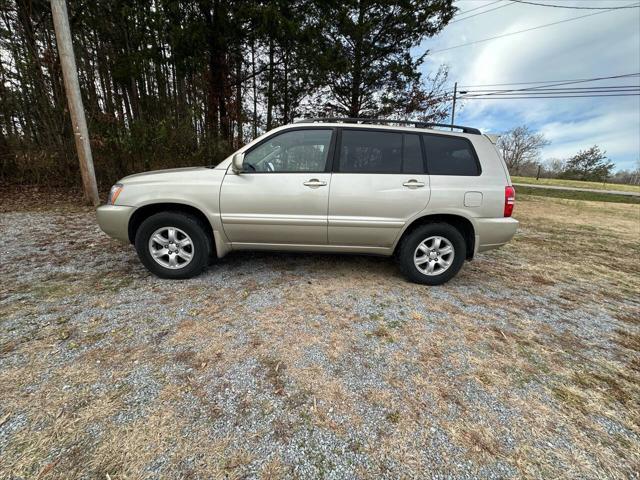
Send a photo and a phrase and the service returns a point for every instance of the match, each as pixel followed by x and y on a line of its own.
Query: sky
pixel 601 45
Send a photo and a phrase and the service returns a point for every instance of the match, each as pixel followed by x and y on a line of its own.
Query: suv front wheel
pixel 432 254
pixel 173 244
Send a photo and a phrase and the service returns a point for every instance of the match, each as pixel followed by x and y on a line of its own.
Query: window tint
pixel 364 151
pixel 370 152
pixel 412 155
pixel 293 151
pixel 450 156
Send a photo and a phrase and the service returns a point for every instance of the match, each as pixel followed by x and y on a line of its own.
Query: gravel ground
pixel 318 366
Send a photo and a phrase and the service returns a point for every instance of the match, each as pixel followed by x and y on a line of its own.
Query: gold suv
pixel 432 198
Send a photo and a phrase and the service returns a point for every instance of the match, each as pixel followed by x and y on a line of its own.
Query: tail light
pixel 509 200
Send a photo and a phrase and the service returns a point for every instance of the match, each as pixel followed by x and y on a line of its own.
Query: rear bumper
pixel 114 220
pixel 494 232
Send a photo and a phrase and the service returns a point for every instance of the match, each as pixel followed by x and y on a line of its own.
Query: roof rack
pixel 416 124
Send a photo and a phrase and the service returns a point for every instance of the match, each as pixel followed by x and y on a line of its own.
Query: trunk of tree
pixel 239 95
pixel 286 108
pixel 255 89
pixel 270 87
pixel 356 81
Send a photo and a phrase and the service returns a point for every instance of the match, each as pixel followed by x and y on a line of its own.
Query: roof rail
pixel 416 124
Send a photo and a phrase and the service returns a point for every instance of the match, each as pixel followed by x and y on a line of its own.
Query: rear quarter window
pixel 450 156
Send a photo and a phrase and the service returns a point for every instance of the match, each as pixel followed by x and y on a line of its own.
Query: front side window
pixel 292 151
pixel 366 151
pixel 450 156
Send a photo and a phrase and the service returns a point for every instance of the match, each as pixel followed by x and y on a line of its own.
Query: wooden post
pixel 453 108
pixel 74 99
pixel 538 174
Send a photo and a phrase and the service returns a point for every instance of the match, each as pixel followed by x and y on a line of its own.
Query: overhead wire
pixel 570 82
pixel 576 80
pixel 550 96
pixel 481 6
pixel 481 13
pixel 635 5
pixel 575 89
pixel 571 7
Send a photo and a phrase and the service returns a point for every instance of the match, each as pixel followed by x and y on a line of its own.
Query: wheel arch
pixel 462 224
pixel 145 211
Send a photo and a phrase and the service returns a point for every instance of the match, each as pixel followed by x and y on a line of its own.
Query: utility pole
pixel 453 109
pixel 74 99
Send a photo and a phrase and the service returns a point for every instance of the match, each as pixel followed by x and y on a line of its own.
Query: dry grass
pixel 282 365
pixel 558 182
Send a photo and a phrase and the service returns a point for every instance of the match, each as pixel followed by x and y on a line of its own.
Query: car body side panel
pixel 452 195
pixel 196 187
pixel 275 208
pixel 369 209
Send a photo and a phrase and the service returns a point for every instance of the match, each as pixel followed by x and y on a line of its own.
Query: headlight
pixel 113 193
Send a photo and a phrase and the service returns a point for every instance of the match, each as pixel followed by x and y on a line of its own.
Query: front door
pixel 281 197
pixel 379 183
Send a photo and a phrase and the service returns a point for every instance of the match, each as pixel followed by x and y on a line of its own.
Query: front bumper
pixel 114 220
pixel 494 232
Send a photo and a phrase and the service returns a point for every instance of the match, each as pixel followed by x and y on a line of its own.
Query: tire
pixel 189 249
pixel 431 251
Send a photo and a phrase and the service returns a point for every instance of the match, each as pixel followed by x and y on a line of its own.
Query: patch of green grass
pixel 577 184
pixel 576 195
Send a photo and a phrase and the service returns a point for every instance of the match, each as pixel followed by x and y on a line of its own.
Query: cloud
pixel 601 45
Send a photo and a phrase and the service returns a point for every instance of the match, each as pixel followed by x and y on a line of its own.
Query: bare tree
pixel 520 146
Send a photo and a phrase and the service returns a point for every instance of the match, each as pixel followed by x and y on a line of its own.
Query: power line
pixel 481 13
pixel 526 30
pixel 550 96
pixel 547 83
pixel 576 80
pixel 523 90
pixel 579 89
pixel 478 8
pixel 570 6
pixel 561 92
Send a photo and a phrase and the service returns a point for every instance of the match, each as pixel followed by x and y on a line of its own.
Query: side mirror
pixel 237 163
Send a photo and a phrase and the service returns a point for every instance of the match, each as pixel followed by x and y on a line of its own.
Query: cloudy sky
pixel 602 45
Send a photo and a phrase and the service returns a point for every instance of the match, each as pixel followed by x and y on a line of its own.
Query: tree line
pixel 521 149
pixel 176 82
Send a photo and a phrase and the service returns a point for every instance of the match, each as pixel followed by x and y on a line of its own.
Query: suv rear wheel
pixel 432 254
pixel 173 245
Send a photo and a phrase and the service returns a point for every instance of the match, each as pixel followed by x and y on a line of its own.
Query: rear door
pixel 459 181
pixel 282 195
pixel 378 183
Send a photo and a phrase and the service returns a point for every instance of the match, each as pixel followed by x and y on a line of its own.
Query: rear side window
pixel 363 151
pixel 412 155
pixel 450 156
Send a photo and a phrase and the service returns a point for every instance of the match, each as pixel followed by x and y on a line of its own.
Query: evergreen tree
pixel 591 164
pixel 366 57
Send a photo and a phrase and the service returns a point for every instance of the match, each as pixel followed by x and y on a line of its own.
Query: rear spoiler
pixel 493 138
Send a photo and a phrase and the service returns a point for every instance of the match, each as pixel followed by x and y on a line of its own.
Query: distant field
pixel 576 183
pixel 576 195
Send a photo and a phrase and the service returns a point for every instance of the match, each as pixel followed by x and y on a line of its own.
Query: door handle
pixel 413 184
pixel 314 182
